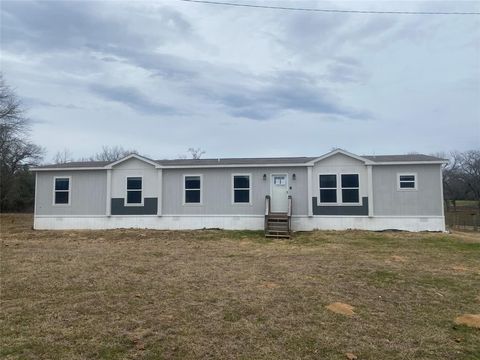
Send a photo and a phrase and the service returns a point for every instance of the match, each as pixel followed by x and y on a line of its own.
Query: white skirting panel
pixel 376 223
pixel 150 222
pixel 299 223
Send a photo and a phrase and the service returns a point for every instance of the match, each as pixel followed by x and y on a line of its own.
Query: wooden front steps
pixel 277 224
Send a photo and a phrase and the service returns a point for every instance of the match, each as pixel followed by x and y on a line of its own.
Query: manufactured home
pixel 338 190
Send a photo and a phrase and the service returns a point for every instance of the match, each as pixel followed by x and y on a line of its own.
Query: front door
pixel 279 190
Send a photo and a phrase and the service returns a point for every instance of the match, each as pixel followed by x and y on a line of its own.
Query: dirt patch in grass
pixel 471 320
pixel 341 308
pixel 459 268
pixel 269 285
pixel 146 294
pixel 398 258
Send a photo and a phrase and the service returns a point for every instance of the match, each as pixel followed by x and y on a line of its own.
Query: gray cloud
pixel 293 73
pixel 61 25
pixel 132 98
pixel 282 91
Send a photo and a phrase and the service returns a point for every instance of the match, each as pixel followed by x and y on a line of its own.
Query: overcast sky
pixel 163 76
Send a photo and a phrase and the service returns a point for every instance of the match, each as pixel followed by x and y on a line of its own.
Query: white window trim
pixel 359 202
pixel 335 188
pixel 249 189
pixel 69 190
pixel 339 190
pixel 125 199
pixel 201 190
pixel 415 188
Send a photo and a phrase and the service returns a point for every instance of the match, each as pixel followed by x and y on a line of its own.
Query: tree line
pixel 461 176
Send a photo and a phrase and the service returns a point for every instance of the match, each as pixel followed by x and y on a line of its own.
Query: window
pixel 328 188
pixel 280 180
pixel 193 190
pixel 134 190
pixel 241 189
pixel 407 182
pixel 350 188
pixel 62 191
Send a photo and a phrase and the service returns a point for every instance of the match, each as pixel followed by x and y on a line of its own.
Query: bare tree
pixel 63 156
pixel 453 187
pixel 196 153
pixel 469 165
pixel 17 152
pixel 112 153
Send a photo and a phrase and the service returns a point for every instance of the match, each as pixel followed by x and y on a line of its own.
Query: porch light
pixel 264 177
pixel 294 177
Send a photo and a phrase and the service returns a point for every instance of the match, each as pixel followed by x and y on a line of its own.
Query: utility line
pixel 329 10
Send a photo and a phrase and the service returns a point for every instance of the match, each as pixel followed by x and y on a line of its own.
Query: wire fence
pixel 465 220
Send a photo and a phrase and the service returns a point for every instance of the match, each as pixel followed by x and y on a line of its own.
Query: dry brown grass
pixel 143 294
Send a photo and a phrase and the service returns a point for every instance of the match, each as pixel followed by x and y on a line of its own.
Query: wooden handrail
pixel 267 205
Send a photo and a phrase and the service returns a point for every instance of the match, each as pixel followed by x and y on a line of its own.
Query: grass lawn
pixel 144 294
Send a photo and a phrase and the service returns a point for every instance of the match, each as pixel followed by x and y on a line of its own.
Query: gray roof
pixel 236 161
pixel 409 157
pixel 245 161
pixel 76 164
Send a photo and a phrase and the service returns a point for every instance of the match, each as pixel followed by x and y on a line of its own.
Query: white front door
pixel 279 190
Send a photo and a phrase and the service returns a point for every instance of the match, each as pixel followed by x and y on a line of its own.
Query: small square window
pixel 328 181
pixel 61 197
pixel 407 182
pixel 328 196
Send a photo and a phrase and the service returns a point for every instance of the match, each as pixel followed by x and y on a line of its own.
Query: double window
pixel 346 191
pixel 407 181
pixel 134 190
pixel 192 189
pixel 61 191
pixel 241 189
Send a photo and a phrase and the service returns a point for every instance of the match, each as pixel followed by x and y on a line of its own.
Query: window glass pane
pixel 350 180
pixel 192 196
pixel 407 185
pixel 407 177
pixel 328 181
pixel 192 182
pixel 279 180
pixel 350 196
pixel 62 184
pixel 242 196
pixel 61 197
pixel 134 197
pixel 134 183
pixel 241 181
pixel 328 196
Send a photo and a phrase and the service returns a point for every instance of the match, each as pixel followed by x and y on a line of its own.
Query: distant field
pixel 144 294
